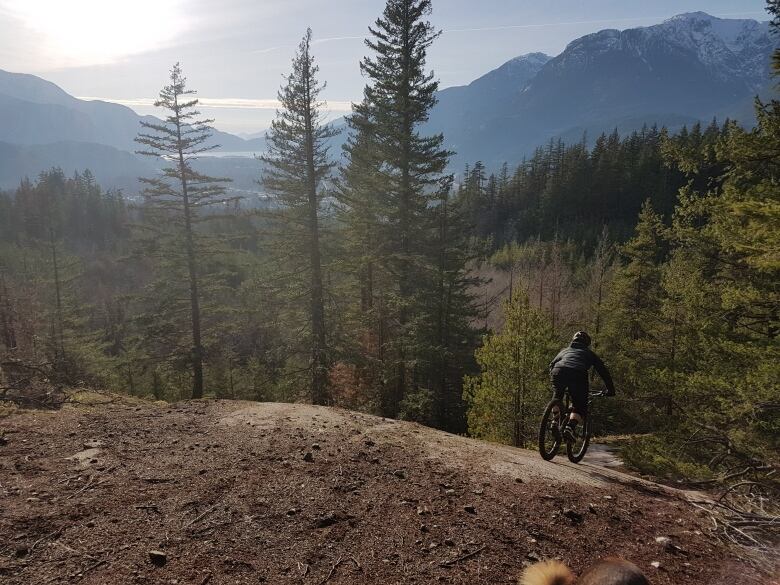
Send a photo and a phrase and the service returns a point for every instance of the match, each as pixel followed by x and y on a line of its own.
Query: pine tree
pixel 361 257
pixel 598 279
pixel 513 384
pixel 637 284
pixel 297 164
pixel 711 346
pixel 181 195
pixel 453 337
pixel 405 175
pixel 634 308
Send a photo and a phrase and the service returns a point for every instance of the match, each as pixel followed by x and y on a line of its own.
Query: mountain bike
pixel 555 416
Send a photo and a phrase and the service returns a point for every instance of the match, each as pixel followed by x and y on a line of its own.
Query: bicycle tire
pixel 576 456
pixel 549 454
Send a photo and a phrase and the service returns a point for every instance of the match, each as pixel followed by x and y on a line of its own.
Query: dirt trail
pixel 233 492
pixel 604 456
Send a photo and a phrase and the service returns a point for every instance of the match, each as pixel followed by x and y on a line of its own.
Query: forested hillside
pixel 381 285
pixel 572 191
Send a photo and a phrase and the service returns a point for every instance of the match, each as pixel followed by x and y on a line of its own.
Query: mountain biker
pixel 569 371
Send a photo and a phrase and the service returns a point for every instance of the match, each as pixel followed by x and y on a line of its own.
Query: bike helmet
pixel 581 337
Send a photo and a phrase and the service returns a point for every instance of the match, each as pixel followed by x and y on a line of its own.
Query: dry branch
pixel 462 557
pixel 336 565
pixel 201 516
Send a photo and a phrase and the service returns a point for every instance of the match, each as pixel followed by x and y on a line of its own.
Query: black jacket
pixel 579 357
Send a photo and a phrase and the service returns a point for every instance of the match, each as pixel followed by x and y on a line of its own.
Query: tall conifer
pixel 179 197
pixel 297 163
pixel 396 102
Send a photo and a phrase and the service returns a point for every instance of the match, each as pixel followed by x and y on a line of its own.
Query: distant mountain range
pixel 36 111
pixel 43 126
pixel 690 68
pixel 693 67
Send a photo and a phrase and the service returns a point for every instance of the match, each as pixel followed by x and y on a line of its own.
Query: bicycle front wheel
pixel 550 430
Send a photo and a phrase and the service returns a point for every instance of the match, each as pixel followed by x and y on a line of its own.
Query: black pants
pixel 576 382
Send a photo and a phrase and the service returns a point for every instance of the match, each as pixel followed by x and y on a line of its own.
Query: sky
pixel 235 53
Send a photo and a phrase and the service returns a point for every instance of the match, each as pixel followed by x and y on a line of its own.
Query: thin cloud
pixel 478 29
pixel 579 22
pixel 144 102
pixel 223 103
pixel 314 42
pixel 331 39
pixel 512 27
pixel 270 49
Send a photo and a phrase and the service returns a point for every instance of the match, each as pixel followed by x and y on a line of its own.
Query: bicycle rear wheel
pixel 550 430
pixel 576 450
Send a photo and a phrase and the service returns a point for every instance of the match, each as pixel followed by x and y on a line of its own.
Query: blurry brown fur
pixel 549 573
pixel 606 572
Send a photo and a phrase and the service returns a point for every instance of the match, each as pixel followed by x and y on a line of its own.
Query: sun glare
pixel 90 32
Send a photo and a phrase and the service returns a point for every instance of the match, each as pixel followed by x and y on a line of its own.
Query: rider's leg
pixel 560 382
pixel 578 390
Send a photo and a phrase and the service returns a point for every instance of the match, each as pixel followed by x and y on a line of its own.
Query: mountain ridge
pixel 108 123
pixel 658 74
pixel 691 67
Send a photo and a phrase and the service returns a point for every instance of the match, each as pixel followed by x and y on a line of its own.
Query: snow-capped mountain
pixel 728 49
pixel 691 67
pixel 512 76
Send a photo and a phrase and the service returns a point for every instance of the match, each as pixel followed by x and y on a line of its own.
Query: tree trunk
pixel 404 281
pixel 7 316
pixel 319 360
pixel 673 367
pixel 197 347
pixel 60 325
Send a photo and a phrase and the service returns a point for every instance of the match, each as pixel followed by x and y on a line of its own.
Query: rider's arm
pixel 556 359
pixel 604 373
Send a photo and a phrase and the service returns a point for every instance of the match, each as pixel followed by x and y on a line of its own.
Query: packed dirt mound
pixel 232 492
